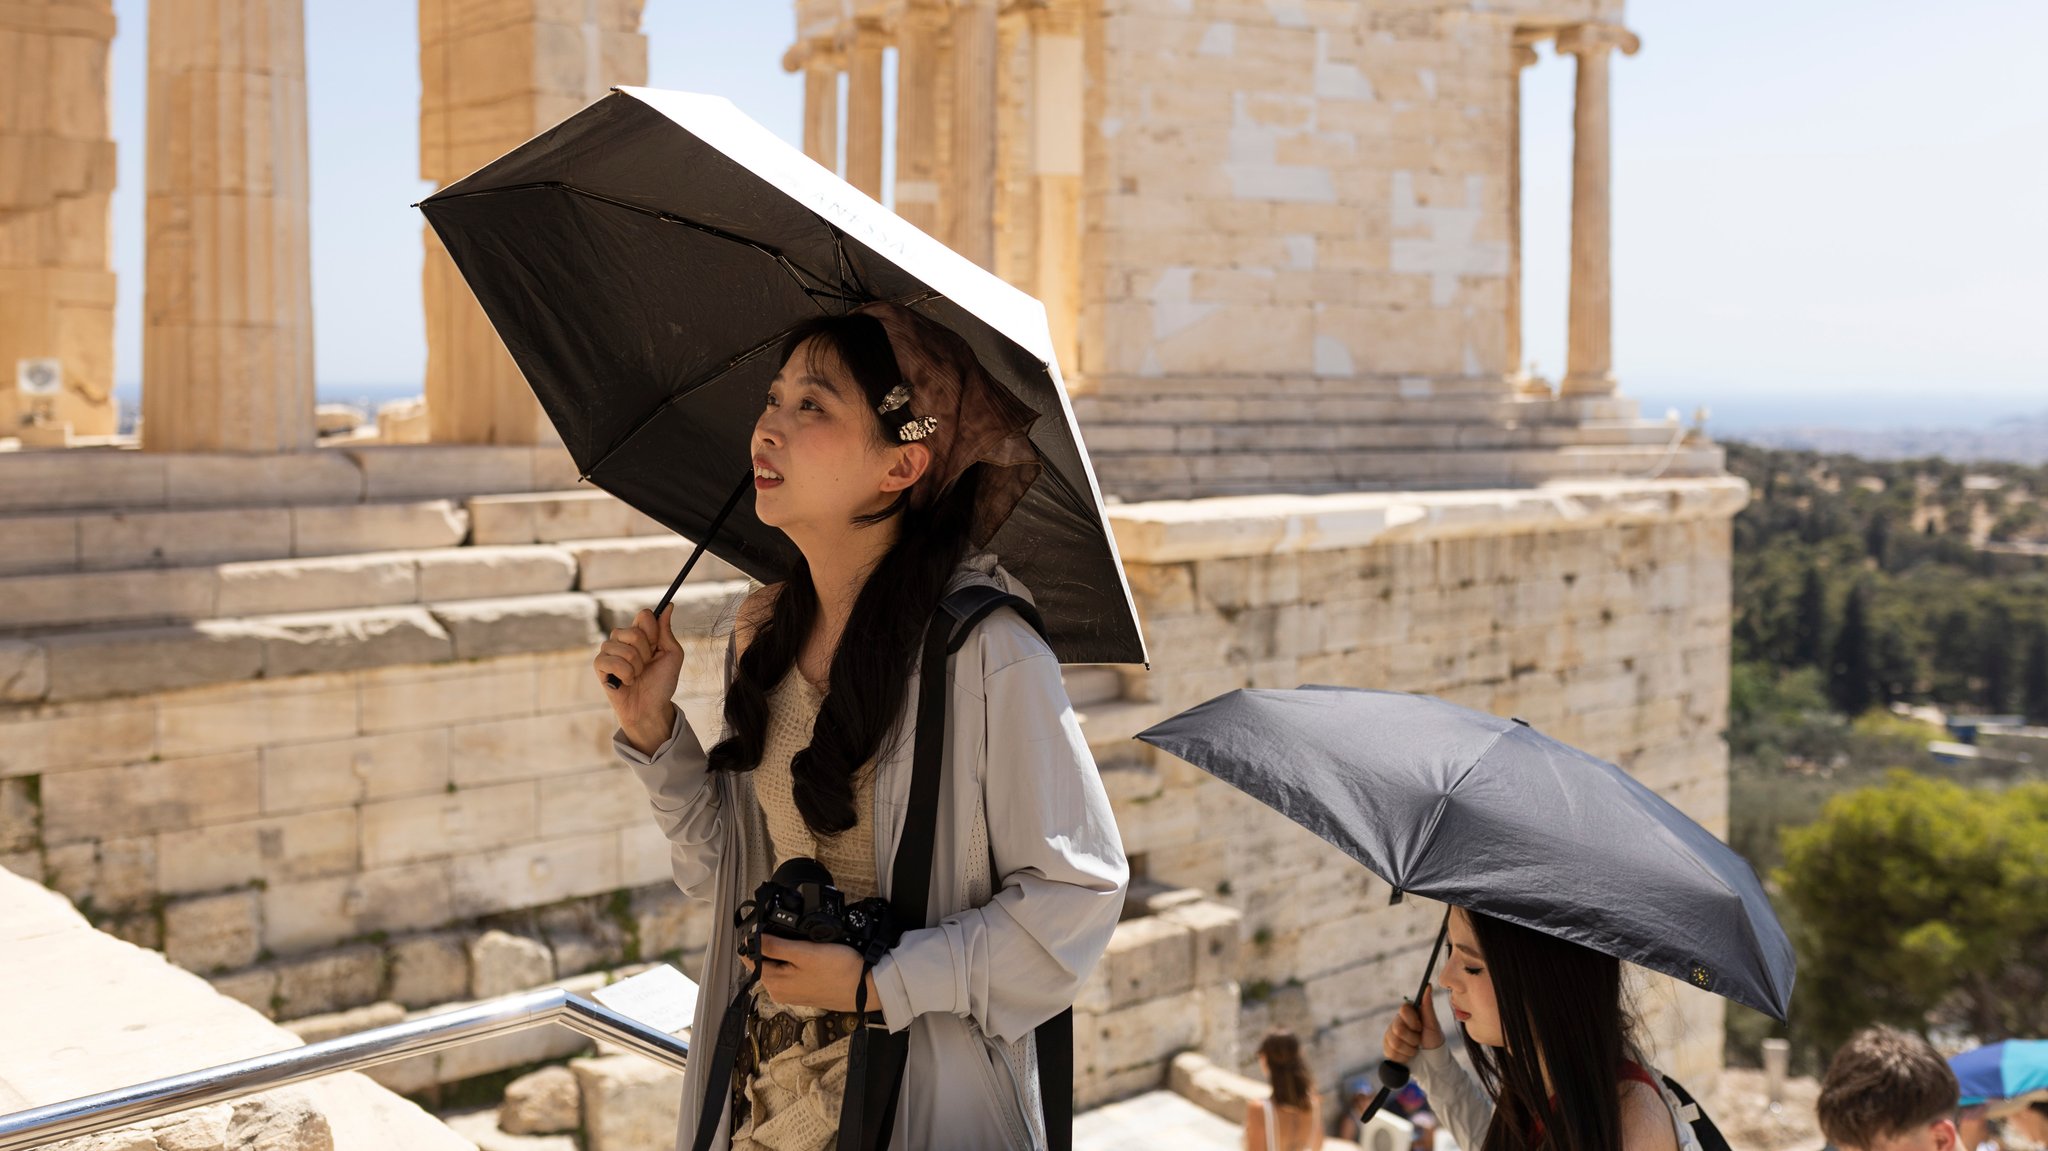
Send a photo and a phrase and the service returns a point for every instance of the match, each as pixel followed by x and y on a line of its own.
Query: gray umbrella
pixel 1490 815
pixel 643 259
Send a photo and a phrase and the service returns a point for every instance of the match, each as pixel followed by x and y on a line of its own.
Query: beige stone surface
pixel 320 1028
pixel 629 1103
pixel 345 528
pixel 345 640
pixel 278 587
pixel 544 1102
pixel 430 969
pixel 213 933
pixel 501 963
pixel 127 1016
pixel 490 627
pixel 494 572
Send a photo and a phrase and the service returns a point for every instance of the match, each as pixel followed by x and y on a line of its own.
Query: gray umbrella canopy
pixel 1490 815
pixel 642 260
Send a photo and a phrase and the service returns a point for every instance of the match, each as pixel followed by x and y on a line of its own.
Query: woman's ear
pixel 912 462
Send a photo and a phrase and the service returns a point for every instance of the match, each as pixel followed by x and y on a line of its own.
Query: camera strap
pixel 732 1031
pixel 867 1124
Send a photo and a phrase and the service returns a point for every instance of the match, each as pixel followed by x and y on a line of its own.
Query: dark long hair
pixel 1560 1007
pixel 1287 1070
pixel 871 666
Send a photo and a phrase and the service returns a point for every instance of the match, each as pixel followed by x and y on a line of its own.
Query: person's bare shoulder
pixel 1646 1122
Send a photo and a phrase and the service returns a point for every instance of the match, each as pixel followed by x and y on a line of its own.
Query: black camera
pixel 799 902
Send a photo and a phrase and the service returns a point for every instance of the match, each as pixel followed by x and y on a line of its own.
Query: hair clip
pixel 918 429
pixel 897 397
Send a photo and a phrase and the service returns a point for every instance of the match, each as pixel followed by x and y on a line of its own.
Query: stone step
pixel 126 479
pixel 1227 402
pixel 1135 476
pixel 1114 438
pixel 119 540
pixel 554 517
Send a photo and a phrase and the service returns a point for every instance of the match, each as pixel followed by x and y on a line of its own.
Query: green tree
pixel 1921 902
pixel 1877 538
pixel 1810 622
pixel 1994 659
pixel 1852 681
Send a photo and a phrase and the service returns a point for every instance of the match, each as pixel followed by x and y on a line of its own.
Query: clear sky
pixel 1828 210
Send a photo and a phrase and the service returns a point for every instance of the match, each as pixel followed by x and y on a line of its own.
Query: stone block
pixel 213 932
pixel 167 538
pixel 484 628
pixel 201 480
pixel 103 802
pixel 75 598
pixel 629 1103
pixel 665 921
pixel 701 610
pixel 1147 1033
pixel 40 544
pixel 483 1057
pixel 416 471
pixel 1217 1090
pixel 408 699
pixel 1147 958
pixel 1218 932
pixel 97 665
pixel 561 744
pixel 80 735
pixel 487 572
pixel 277 849
pixel 343 529
pixel 257 714
pixel 278 587
pixel 320 1028
pixel 333 981
pixel 501 963
pixel 549 517
pixel 256 987
pixel 645 562
pixel 432 826
pixel 543 1102
pixel 348 640
pixel 20 814
pixel 24 671
pixel 298 917
pixel 644 855
pixel 532 874
pixel 428 970
pixel 343 772
pixel 110 876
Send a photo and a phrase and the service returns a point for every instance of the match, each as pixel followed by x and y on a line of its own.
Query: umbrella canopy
pixel 1487 814
pixel 1998 1071
pixel 642 260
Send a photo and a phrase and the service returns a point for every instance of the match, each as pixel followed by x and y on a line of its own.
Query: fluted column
pixel 56 284
pixel 491 76
pixel 864 108
pixel 227 336
pixel 974 130
pixel 1522 55
pixel 1589 350
pixel 821 106
pixel 920 57
pixel 1056 84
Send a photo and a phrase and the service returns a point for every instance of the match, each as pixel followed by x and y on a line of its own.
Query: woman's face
pixel 1466 977
pixel 818 458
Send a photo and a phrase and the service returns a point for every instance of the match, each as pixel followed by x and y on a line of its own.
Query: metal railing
pixel 144 1101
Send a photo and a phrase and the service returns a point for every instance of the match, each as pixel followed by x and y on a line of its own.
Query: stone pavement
pixel 1154 1119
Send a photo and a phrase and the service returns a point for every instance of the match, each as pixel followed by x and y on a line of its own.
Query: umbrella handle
pixel 732 501
pixel 1393 1075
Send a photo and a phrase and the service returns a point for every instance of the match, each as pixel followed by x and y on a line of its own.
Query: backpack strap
pixel 958 615
pixel 1703 1128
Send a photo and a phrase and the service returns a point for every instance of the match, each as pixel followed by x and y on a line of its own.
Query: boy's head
pixel 1887 1090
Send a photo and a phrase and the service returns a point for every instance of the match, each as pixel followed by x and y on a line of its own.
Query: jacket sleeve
pixel 686 803
pixel 1021 958
pixel 1456 1098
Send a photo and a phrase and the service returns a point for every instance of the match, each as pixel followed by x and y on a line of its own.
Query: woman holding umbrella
pixel 1549 1032
pixel 887 456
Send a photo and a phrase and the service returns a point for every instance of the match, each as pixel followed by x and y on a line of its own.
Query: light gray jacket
pixel 972 988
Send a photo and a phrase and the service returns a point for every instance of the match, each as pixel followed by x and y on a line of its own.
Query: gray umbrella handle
pixel 1394 1076
pixel 732 501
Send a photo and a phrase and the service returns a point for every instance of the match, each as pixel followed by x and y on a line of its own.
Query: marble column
pixel 491 76
pixel 1522 54
pixel 227 336
pixel 1589 348
pixel 821 105
pixel 864 108
pixel 920 58
pixel 1056 87
pixel 56 182
pixel 975 54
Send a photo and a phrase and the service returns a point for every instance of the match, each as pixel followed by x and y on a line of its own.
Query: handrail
pixel 92 1114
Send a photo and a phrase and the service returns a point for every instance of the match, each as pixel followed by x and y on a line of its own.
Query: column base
pixel 1576 386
